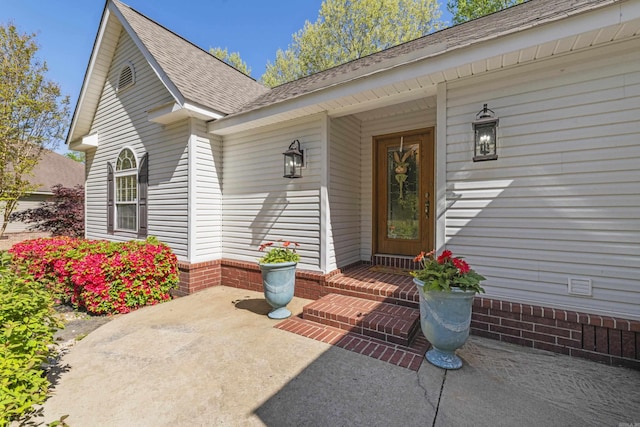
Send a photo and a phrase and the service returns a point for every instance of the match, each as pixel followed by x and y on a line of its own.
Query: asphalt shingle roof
pixel 526 15
pixel 54 168
pixel 204 79
pixel 199 76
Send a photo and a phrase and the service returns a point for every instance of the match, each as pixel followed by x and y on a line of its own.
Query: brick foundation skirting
pixel 600 338
pixel 245 275
pixel 198 276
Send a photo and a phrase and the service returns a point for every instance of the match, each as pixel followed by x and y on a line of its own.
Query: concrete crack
pixel 424 389
pixel 435 417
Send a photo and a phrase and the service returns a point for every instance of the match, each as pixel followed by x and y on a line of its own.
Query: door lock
pixel 427 205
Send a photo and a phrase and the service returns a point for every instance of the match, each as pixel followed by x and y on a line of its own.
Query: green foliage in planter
pixel 100 276
pixel 277 255
pixel 27 325
pixel 446 272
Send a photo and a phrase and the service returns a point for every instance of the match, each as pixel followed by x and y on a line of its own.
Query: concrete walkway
pixel 214 359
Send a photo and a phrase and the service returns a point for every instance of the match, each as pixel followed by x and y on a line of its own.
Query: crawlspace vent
pixel 580 286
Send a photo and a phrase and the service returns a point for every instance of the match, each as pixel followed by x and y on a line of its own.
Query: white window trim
pixel 119 174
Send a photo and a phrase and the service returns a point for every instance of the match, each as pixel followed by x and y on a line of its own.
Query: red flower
pixel 444 257
pixel 264 246
pixel 461 265
pixel 419 257
pixel 286 244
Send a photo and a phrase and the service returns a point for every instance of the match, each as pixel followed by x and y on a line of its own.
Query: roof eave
pixel 434 59
pixel 173 112
pixel 89 73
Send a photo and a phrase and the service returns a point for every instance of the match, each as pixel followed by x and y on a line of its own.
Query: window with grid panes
pixel 126 182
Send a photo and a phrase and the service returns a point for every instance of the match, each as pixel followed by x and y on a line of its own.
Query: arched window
pixel 126 183
pixel 127 77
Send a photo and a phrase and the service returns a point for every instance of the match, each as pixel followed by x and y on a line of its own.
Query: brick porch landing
pixel 410 357
pixel 377 283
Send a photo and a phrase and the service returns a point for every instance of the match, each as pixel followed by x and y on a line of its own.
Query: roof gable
pixel 198 76
pixel 192 75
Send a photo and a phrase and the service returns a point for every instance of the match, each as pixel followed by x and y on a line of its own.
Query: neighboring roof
pixel 54 168
pixel 511 20
pixel 199 76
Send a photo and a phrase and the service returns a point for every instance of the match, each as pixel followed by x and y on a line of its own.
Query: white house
pixel 183 147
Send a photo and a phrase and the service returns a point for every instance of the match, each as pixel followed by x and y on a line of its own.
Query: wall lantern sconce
pixel 293 161
pixel 484 129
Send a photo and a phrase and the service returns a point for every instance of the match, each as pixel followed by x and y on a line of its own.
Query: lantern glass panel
pixel 485 141
pixel 292 165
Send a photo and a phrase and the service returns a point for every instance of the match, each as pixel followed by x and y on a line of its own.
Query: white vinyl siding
pixel 207 212
pixel 259 204
pixel 563 198
pixel 405 117
pixel 121 120
pixel 344 192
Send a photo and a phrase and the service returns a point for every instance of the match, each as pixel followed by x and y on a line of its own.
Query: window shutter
pixel 143 184
pixel 110 205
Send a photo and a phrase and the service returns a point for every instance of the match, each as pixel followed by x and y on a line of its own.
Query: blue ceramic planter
pixel 278 281
pixel 445 318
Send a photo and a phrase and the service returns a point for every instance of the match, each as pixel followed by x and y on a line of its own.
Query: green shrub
pixel 27 326
pixel 100 276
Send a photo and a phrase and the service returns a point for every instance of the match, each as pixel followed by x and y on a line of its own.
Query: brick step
pixel 376 284
pixel 410 357
pixel 387 322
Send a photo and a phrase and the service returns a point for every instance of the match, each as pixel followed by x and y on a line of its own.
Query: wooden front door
pixel 403 192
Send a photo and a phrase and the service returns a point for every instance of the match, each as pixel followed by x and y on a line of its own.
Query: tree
pixel 77 156
pixel 350 29
pixel 232 59
pixel 62 216
pixel 466 10
pixel 33 116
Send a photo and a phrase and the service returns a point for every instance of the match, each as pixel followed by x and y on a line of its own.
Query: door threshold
pixel 398 261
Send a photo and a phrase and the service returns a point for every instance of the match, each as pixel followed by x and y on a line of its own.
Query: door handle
pixel 427 205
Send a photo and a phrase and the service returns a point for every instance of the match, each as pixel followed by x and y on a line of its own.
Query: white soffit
pixel 85 143
pixel 173 112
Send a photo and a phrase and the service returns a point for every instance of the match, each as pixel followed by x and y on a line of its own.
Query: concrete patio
pixel 215 359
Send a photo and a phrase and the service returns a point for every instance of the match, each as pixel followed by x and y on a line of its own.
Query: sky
pixel 66 29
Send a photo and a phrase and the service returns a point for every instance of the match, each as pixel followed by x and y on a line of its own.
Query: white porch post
pixel 191 192
pixel 441 164
pixel 325 215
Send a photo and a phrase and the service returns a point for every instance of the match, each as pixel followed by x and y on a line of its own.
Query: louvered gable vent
pixel 127 77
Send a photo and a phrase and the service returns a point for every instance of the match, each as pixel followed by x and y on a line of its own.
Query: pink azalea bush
pixel 100 276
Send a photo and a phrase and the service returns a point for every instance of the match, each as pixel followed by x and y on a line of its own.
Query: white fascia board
pixel 201 112
pixel 173 112
pixel 85 143
pixel 157 69
pixel 434 61
pixel 90 72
